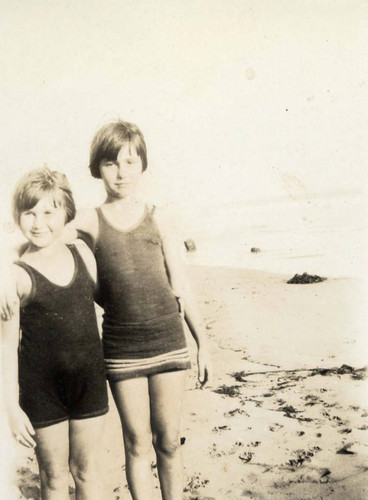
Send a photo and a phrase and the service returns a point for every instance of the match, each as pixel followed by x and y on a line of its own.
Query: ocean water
pixel 324 235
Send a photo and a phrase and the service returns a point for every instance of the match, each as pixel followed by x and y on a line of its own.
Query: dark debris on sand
pixel 303 456
pixel 305 278
pixel 355 373
pixel 190 245
pixel 196 481
pixel 345 450
pixel 28 483
pixel 289 410
pixel 228 390
pixel 30 492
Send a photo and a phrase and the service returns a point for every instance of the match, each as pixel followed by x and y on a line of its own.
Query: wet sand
pixel 287 414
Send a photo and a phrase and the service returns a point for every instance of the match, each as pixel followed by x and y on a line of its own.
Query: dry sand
pixel 286 416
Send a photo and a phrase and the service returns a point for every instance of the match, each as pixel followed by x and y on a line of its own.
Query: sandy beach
pixel 286 415
pixel 253 114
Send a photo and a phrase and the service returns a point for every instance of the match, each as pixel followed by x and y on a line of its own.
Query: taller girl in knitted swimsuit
pixel 141 277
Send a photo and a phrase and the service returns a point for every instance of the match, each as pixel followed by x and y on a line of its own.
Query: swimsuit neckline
pixel 119 229
pixel 71 282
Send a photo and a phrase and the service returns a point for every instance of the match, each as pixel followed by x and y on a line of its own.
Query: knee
pixel 82 472
pixel 167 443
pixel 137 445
pixel 54 476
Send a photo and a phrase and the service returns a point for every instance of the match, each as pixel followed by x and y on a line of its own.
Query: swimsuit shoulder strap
pixel 28 269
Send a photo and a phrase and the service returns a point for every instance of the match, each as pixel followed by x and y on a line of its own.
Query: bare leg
pixel 85 439
pixel 52 453
pixel 132 401
pixel 167 392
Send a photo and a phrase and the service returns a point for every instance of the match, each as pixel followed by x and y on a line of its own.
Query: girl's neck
pixel 122 203
pixel 123 214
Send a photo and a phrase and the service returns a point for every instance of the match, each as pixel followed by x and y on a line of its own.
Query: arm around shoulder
pixel 11 246
pixel 84 225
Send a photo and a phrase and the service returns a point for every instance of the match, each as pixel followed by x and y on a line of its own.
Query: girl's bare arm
pixel 20 425
pixel 84 223
pixel 11 244
pixel 181 287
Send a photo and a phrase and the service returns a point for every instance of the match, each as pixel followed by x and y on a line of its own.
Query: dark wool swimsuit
pixel 61 367
pixel 142 327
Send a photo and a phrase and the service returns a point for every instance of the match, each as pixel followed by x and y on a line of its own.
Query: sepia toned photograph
pixel 183 243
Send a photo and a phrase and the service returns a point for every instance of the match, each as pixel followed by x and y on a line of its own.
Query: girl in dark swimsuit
pixel 142 281
pixel 54 376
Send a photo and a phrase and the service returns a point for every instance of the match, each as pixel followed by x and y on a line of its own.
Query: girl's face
pixel 44 223
pixel 122 176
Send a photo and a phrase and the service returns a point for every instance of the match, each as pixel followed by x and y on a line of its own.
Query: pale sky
pixel 237 99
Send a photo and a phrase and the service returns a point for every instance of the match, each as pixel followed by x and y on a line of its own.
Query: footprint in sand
pixel 345 450
pixel 196 481
pixel 31 492
pixel 252 494
pixel 28 483
pixel 232 391
pixel 236 411
pixel 312 400
pixel 246 456
pixel 275 427
pixel 303 456
pixel 221 428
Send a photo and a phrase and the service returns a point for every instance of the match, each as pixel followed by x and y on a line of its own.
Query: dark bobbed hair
pixel 108 141
pixel 41 182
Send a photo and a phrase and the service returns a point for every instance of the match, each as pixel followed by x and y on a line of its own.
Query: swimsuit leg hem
pixel 90 415
pixel 169 367
pixel 48 423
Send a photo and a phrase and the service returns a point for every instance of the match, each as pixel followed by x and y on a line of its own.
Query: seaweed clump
pixel 305 278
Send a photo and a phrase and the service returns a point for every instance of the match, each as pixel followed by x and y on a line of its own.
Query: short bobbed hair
pixel 39 183
pixel 109 140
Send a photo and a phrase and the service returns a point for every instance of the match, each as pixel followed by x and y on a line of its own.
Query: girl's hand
pixel 204 367
pixel 21 428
